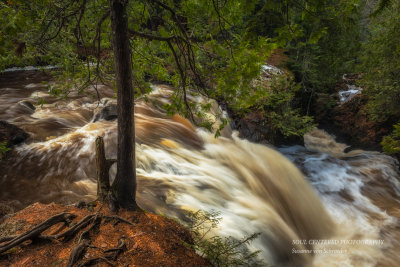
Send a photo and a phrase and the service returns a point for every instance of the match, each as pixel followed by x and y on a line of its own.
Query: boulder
pixel 28 105
pixel 108 113
pixel 12 134
pixel 254 127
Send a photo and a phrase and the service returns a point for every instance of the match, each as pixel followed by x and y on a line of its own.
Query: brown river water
pixel 313 205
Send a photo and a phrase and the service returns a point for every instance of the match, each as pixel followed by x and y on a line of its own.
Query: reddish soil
pixel 152 240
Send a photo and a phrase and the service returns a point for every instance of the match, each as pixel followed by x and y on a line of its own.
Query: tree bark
pixel 124 185
pixel 103 178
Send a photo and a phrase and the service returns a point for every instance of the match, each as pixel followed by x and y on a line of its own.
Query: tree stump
pixel 103 168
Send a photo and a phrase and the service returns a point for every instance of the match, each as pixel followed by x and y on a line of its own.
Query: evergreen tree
pixel 381 67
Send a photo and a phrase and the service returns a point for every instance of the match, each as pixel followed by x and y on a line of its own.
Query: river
pixel 313 205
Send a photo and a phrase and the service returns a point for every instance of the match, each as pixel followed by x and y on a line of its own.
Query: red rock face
pixel 352 120
pixel 254 127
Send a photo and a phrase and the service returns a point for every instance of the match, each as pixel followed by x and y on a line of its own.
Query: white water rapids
pixel 336 214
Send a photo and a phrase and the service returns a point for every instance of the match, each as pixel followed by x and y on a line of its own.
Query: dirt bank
pixel 151 240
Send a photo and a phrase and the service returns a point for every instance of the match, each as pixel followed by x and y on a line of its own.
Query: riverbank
pixel 134 238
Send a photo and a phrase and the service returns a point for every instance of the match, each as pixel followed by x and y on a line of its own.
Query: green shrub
pixel 3 149
pixel 226 251
pixel 391 143
pixel 276 100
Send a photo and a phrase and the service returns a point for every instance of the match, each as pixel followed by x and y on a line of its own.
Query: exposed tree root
pixel 62 227
pixel 117 218
pixel 67 235
pixel 87 225
pixel 77 252
pixel 7 238
pixel 96 221
pixel 36 231
pixel 113 253
pixel 94 261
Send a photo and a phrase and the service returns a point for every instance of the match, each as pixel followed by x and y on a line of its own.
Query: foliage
pixel 381 65
pixel 321 38
pixel 391 143
pixel 274 97
pixel 216 48
pixel 220 59
pixel 327 44
pixel 220 251
pixel 3 149
pixel 278 107
pixel 383 4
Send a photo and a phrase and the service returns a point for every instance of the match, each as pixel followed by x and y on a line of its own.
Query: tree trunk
pixel 124 186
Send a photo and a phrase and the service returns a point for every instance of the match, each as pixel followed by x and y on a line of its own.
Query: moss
pixel 10 228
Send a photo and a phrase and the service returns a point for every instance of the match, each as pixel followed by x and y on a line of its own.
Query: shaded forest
pixel 218 47
pixel 261 126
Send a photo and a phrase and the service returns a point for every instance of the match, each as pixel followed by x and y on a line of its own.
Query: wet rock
pixel 12 134
pixel 348 149
pixel 81 205
pixel 28 105
pixel 108 113
pixel 353 121
pixel 253 127
pixel 351 78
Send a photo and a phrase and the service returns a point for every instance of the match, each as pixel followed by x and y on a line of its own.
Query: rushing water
pixel 343 198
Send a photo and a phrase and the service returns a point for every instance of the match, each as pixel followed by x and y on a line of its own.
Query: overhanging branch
pixel 153 37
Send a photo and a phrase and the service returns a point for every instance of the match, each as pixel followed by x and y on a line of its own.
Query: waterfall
pixel 298 198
